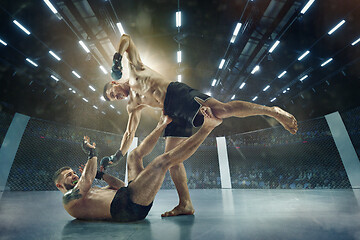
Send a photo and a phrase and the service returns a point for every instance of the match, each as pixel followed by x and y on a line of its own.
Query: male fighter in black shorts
pixel 147 88
pixel 131 203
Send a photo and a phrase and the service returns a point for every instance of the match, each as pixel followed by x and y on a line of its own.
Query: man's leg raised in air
pixel 178 175
pixel 146 185
pixel 135 159
pixel 245 109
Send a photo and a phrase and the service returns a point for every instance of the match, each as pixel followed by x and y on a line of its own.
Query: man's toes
pixel 168 214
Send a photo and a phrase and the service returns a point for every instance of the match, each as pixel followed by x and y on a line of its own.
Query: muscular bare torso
pixel 95 204
pixel 147 88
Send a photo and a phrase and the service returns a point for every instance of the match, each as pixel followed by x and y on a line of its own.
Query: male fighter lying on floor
pixel 131 203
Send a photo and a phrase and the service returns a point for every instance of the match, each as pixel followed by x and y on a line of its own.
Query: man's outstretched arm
pixel 89 172
pixel 132 125
pixel 128 137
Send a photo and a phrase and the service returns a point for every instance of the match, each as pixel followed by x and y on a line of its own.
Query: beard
pixel 68 186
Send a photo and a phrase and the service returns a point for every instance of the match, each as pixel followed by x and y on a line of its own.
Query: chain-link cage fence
pixel 45 147
pixel 273 158
pixel 265 159
pixel 5 121
pixel 352 123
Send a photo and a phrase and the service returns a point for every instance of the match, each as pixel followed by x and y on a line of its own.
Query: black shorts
pixel 181 106
pixel 122 209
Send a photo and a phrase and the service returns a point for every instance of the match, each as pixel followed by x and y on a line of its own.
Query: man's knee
pixel 125 39
pixel 176 167
pixel 162 162
pixel 133 156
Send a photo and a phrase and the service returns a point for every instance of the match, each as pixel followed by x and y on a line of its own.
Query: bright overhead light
pixel 84 46
pixel 52 8
pixel 266 88
pixel 70 88
pixel 233 97
pixel 85 99
pixel 103 70
pixel 179 78
pixel 236 31
pixel 54 55
pixel 73 91
pixel 178 19
pixel 118 112
pixel 336 27
pixel 242 85
pixel 303 55
pixel 303 78
pixel 208 93
pixel 103 112
pixel 55 78
pixel 21 27
pixel 256 68
pixel 30 61
pixel 92 88
pixel 179 56
pixel 326 62
pixel 213 82
pixel 254 98
pixel 221 63
pixel 120 27
pixel 282 74
pixel 112 106
pixel 2 42
pixel 353 44
pixel 273 99
pixel 284 91
pixel 102 98
pixel 274 46
pixel 303 11
pixel 95 107
pixel 76 74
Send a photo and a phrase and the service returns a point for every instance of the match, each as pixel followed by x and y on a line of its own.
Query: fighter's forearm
pixel 113 182
pixel 126 142
pixel 90 169
pixel 124 44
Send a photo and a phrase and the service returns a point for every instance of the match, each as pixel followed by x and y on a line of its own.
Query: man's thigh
pixel 134 166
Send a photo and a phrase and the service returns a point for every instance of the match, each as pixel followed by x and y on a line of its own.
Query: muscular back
pixel 95 204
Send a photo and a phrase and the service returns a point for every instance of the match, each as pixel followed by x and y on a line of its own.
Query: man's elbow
pixel 129 134
pixel 125 37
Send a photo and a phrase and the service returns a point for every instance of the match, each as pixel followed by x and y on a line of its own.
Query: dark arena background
pixel 250 179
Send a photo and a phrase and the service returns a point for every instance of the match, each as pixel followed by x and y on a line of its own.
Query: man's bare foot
pixel 180 210
pixel 287 120
pixel 209 119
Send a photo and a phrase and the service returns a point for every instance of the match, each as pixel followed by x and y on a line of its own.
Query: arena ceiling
pixel 51 90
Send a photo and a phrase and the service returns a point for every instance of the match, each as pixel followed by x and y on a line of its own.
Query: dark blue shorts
pixel 181 106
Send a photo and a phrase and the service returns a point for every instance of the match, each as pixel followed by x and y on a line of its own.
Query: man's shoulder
pixel 72 196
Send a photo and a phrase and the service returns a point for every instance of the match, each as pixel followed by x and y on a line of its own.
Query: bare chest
pixel 148 89
pixel 94 205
